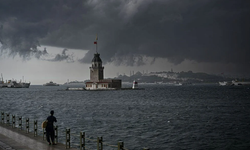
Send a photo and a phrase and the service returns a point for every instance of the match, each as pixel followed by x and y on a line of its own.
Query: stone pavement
pixel 16 139
pixel 7 143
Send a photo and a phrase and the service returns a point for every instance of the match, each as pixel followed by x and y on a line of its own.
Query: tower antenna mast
pixel 95 42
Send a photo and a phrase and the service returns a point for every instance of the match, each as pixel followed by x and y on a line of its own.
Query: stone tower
pixel 96 70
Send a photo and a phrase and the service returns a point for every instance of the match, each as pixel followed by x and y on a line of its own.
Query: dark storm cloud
pixel 24 23
pixel 39 53
pixel 62 57
pixel 203 31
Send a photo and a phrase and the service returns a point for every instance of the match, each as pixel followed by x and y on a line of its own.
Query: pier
pixel 14 135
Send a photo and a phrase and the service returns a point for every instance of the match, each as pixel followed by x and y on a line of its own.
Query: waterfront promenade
pixel 16 139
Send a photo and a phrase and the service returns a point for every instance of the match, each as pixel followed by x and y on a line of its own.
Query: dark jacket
pixel 50 124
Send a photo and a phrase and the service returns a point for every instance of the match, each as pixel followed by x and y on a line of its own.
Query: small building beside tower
pixel 97 81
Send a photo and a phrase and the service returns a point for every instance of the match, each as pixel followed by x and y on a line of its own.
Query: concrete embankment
pixel 16 139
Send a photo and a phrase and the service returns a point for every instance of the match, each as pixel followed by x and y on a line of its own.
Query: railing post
pixel 2 117
pixel 20 122
pixel 82 140
pixel 67 138
pixel 27 125
pixel 35 127
pixel 120 145
pixel 56 134
pixel 44 133
pixel 13 120
pixel 7 118
pixel 99 143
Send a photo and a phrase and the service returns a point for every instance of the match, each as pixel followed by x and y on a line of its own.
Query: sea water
pixel 159 117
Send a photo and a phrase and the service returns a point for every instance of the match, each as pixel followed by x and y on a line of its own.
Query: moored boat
pixel 2 84
pixel 13 84
pixel 25 85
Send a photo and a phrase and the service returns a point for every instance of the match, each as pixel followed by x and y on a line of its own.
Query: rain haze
pixel 46 40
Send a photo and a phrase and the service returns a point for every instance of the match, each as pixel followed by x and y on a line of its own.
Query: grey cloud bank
pixel 207 31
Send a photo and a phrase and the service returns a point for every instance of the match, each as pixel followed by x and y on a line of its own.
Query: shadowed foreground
pixel 16 139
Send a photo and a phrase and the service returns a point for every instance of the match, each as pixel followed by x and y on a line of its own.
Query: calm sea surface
pixel 159 117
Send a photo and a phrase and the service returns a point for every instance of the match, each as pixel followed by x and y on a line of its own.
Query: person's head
pixel 52 112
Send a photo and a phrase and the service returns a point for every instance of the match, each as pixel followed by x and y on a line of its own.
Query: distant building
pixel 97 80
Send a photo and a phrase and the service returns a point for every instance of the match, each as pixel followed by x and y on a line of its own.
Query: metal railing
pixel 5 119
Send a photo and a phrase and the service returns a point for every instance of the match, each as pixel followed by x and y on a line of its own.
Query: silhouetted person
pixel 50 131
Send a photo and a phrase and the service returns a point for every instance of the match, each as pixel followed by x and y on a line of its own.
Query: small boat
pixel 51 84
pixel 223 83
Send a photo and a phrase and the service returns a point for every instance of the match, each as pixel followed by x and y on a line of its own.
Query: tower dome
pixel 96 58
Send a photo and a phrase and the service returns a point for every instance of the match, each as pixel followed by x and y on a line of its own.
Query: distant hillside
pixel 164 77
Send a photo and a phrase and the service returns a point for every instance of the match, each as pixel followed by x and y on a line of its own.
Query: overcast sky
pixel 209 36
